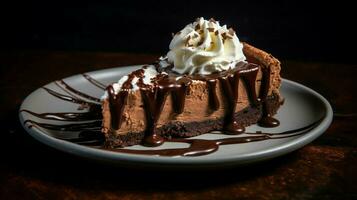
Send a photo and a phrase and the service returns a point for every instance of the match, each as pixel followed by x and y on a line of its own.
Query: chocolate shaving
pixel 216 32
pixel 210 29
pixel 197 27
pixel 224 36
pixel 199 43
pixel 187 40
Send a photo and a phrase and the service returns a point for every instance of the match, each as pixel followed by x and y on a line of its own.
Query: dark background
pixel 46 41
pixel 298 30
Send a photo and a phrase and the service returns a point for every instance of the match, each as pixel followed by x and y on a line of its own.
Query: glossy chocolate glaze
pixel 179 95
pixel 153 104
pixel 117 103
pixel 267 120
pixel 154 97
pixel 212 94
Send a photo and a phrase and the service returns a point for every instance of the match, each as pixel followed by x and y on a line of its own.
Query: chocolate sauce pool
pixel 88 123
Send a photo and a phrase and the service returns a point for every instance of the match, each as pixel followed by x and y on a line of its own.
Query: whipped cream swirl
pixel 205 47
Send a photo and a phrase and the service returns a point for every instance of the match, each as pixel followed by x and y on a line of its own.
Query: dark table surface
pixel 324 169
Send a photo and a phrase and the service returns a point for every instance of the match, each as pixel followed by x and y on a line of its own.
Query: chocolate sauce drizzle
pixel 88 123
pixel 117 103
pixel 77 92
pixel 69 116
pixel 96 125
pixel 200 147
pixel 212 94
pixel 72 99
pixel 94 81
pixel 267 120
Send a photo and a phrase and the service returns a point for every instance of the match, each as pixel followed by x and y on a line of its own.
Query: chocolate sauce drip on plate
pixel 92 114
pixel 68 116
pixel 94 81
pixel 199 147
pixel 77 92
pixel 69 98
pixel 90 135
pixel 96 125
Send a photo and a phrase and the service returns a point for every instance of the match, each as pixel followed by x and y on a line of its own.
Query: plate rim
pixel 130 159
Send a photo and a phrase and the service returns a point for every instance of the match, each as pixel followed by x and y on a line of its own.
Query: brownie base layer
pixel 248 116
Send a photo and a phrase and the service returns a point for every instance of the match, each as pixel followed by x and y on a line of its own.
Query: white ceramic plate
pixel 302 107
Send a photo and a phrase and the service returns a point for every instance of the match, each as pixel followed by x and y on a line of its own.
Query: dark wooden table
pixel 324 169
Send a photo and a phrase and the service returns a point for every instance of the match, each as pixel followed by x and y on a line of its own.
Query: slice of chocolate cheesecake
pixel 208 81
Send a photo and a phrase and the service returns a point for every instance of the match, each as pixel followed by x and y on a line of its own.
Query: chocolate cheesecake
pixel 208 81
